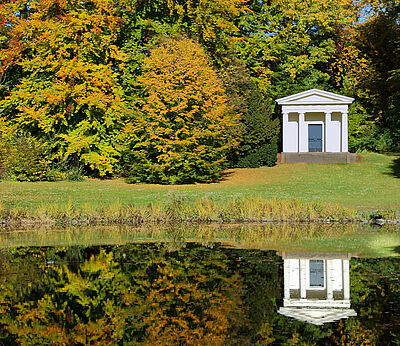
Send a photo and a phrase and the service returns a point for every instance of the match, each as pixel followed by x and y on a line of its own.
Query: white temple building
pixel 316 287
pixel 315 127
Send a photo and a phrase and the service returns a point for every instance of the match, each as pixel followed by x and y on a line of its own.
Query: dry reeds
pixel 179 210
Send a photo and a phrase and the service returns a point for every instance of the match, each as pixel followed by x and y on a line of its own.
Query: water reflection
pixel 194 294
pixel 316 287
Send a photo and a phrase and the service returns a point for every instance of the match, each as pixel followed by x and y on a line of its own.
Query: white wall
pixel 331 134
pixel 335 275
pixel 294 277
pixel 291 136
pixel 334 135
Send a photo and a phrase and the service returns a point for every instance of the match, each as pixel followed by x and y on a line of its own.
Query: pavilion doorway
pixel 314 138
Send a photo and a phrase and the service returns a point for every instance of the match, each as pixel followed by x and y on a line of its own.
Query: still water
pixel 208 293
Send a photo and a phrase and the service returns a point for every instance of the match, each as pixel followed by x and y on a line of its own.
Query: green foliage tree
pixel 185 129
pixel 364 62
pixel 211 22
pixel 288 44
pixel 379 40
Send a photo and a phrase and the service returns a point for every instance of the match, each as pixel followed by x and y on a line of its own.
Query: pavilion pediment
pixel 315 97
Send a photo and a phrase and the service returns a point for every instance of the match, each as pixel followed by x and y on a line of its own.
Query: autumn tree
pixel 67 92
pixel 184 131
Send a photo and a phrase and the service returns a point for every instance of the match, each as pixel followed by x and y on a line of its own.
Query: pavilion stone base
pixel 318 158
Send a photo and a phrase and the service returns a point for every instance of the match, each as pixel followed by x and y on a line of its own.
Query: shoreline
pixel 151 222
pixel 363 239
pixel 201 211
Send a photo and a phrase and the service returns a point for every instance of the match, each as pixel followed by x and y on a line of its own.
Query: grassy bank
pixel 179 210
pixel 360 240
pixel 351 189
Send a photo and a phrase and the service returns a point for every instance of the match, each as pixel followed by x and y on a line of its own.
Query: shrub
pixel 75 174
pixel 26 159
pixel 54 175
pixel 263 155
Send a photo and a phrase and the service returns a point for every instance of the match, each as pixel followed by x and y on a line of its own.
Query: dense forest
pixel 164 91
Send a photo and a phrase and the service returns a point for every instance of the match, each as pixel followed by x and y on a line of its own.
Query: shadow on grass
pixel 395 167
pixel 397 249
pixel 224 176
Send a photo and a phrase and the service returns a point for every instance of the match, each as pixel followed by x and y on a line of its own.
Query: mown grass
pixel 360 240
pixel 371 185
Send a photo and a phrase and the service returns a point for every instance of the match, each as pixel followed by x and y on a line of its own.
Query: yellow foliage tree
pixel 185 128
pixel 68 91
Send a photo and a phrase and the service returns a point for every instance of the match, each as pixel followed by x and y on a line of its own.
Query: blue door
pixel 317 273
pixel 315 138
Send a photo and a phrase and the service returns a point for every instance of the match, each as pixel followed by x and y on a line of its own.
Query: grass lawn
pixel 372 184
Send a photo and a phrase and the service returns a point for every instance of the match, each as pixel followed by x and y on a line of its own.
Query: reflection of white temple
pixel 316 287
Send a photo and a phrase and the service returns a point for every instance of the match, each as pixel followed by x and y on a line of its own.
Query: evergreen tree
pixel 259 129
pixel 259 142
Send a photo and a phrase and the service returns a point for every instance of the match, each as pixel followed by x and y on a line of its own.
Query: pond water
pixel 207 293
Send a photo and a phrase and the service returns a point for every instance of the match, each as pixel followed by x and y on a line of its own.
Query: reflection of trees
pixel 67 307
pixel 375 286
pixel 190 296
pixel 262 279
pixel 130 294
pixel 151 295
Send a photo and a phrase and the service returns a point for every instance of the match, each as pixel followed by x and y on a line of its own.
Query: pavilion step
pixel 318 158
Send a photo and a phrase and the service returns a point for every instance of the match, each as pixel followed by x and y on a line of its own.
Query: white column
pixel 328 278
pixel 286 278
pixel 284 132
pixel 327 126
pixel 345 147
pixel 303 279
pixel 302 134
pixel 346 279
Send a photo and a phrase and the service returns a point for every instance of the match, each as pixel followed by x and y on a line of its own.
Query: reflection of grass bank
pixel 350 238
pixel 240 210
